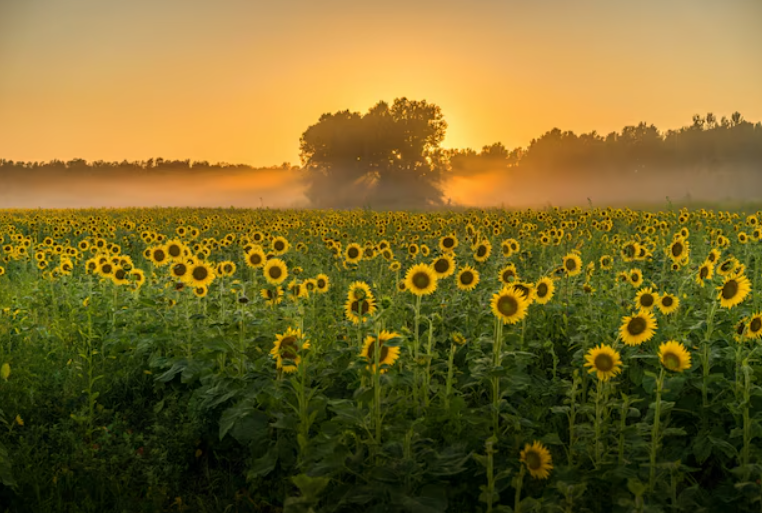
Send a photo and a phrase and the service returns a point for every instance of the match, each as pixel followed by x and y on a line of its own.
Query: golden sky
pixel 240 80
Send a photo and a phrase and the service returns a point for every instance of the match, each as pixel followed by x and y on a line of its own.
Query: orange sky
pixel 240 80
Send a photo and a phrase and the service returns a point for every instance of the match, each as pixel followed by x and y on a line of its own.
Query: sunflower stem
pixel 496 357
pixel 655 432
pixel 519 485
pixel 598 412
pixel 450 372
pixel 704 356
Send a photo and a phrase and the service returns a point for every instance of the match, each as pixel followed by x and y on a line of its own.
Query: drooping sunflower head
pixel 359 310
pixel 421 280
pixel 705 272
pixel 537 460
pixel 359 290
pixel 605 361
pixel 638 328
pixel 287 349
pixel 734 290
pixel 388 353
pixel 509 305
pixel 674 356
pixel 272 295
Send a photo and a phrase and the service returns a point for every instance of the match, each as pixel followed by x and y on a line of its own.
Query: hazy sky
pixel 240 80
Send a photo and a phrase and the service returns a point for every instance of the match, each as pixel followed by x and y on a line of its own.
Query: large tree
pixel 388 158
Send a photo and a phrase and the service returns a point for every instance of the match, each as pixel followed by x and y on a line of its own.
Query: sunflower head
pixel 638 328
pixel 382 348
pixel 421 280
pixel 537 460
pixel 674 356
pixel 543 290
pixel 509 305
pixel 605 361
pixel 287 349
pixel 734 290
pixel 572 264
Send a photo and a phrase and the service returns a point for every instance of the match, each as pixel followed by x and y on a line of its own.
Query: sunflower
pixel 448 243
pixel 275 271
pixel 395 266
pixel 526 290
pixel 605 361
pixel 734 290
pixel 705 272
pixel 120 276
pixel 358 310
pixel 508 274
pixel 279 245
pixel 359 290
pixel 728 266
pixel 646 299
pixel 272 295
pixel 199 275
pixel 286 349
pixel 443 266
pixel 158 256
pixel 467 278
pixel 679 250
pixel 635 277
pixel 387 354
pixel 201 291
pixel 226 268
pixel 537 460
pixel 674 356
pixel 482 250
pixel 543 290
pixel 175 250
pixel 421 280
pixel 714 256
pixel 353 253
pixel 255 257
pixel 638 328
pixel 667 303
pixel 755 326
pixel 322 283
pixel 509 305
pixel 572 264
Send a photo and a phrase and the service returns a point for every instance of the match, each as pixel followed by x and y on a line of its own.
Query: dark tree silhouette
pixel 388 158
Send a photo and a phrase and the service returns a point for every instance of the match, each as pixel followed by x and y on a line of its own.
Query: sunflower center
pixel 255 259
pixel 467 278
pixel 200 273
pixel 279 245
pixel 441 265
pixel 703 272
pixel 542 290
pixel 677 249
pixel 288 348
pixel 755 324
pixel 174 250
pixel 671 361
pixel 604 362
pixel 448 242
pixel 730 289
pixel 667 301
pixel 507 305
pixel 508 274
pixel 421 280
pixel 383 352
pixel 159 255
pixel 352 253
pixel 275 272
pixel 636 326
pixel 321 283
pixel 570 264
pixel 533 460
pixel 481 251
pixel 120 274
pixel 647 300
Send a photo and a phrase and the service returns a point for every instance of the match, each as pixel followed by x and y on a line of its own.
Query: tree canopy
pixel 389 157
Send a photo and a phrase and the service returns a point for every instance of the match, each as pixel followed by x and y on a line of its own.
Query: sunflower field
pixel 600 360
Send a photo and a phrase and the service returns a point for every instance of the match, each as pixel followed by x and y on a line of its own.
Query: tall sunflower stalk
pixel 655 432
pixel 704 355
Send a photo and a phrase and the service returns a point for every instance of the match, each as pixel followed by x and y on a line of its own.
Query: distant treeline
pixel 707 145
pixel 145 167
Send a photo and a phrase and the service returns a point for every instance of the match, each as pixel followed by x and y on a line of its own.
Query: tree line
pixel 392 157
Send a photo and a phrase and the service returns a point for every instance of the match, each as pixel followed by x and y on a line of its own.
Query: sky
pixel 239 81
